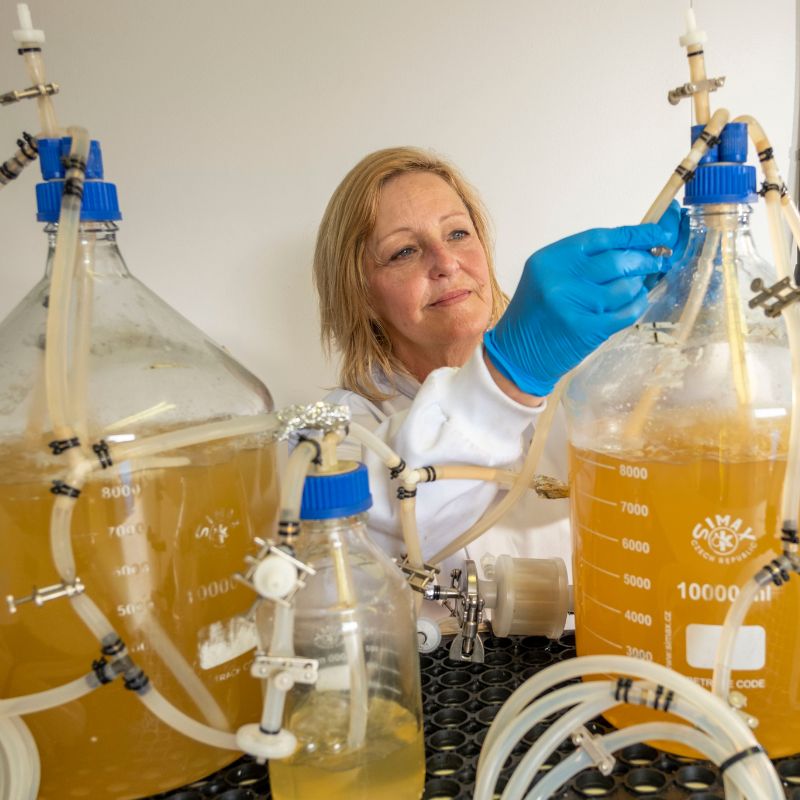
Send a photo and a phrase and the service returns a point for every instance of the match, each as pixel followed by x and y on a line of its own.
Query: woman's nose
pixel 442 261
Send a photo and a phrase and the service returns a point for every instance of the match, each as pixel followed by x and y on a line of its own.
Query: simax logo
pixel 723 539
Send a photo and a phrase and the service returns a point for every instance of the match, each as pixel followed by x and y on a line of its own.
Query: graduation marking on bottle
pixel 120 490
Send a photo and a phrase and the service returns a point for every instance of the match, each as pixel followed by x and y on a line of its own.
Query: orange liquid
pixel 155 545
pixel 661 544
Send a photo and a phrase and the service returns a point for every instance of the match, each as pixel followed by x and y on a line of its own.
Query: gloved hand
pixel 675 223
pixel 572 296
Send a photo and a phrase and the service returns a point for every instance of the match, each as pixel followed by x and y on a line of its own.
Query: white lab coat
pixel 460 415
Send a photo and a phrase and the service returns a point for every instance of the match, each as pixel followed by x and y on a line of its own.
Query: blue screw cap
pixel 99 202
pixel 53 154
pixel 722 176
pixel 341 494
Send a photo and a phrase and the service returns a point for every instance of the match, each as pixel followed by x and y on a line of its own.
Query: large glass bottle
pixel 156 541
pixel 359 727
pixel 678 437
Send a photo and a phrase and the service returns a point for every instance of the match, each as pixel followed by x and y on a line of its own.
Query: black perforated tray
pixel 459 703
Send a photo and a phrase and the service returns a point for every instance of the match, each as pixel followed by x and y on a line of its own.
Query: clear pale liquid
pixel 642 577
pixel 391 763
pixel 150 546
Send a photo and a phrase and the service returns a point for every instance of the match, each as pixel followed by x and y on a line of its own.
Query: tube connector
pixel 693 36
pixel 26 33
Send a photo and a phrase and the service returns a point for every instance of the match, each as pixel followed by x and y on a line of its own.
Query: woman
pixel 407 290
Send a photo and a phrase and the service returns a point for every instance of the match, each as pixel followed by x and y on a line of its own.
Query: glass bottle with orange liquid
pixel 678 437
pixel 156 541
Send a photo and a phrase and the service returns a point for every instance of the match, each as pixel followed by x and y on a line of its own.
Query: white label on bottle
pixel 749 650
pixel 224 641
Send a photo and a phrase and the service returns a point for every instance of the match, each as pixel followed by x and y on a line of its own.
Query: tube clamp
pixel 420 579
pixel 44 595
pixel 774 299
pixel 40 90
pixel 593 747
pixel 300 670
pixel 674 96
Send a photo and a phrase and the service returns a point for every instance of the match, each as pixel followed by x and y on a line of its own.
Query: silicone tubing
pixel 35 65
pixel 58 314
pixel 526 475
pixel 535 757
pixel 564 771
pixel 705 270
pixel 790 502
pixel 294 479
pixel 354 646
pixel 281 644
pixel 158 705
pixel 721 723
pixel 195 434
pixel 688 165
pixel 494 754
pixel 50 698
pixel 382 450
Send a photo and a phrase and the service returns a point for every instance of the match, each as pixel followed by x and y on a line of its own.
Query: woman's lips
pixel 451 298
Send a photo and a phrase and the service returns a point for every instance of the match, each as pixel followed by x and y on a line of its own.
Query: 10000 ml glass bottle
pixel 156 540
pixel 677 456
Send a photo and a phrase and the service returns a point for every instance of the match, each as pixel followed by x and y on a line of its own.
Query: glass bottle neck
pixel 724 225
pixel 98 252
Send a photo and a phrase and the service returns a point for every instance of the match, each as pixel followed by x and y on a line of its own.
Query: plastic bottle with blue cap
pixel 678 448
pixel 359 727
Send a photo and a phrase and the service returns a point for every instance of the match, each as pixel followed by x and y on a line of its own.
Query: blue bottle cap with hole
pixel 99 202
pixel 722 176
pixel 333 495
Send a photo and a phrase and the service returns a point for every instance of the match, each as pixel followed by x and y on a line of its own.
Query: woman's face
pixel 427 273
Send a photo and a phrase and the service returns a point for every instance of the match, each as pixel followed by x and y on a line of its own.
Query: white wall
pixel 227 125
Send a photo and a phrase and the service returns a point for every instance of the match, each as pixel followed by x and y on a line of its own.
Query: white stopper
pixel 27 32
pixel 692 35
pixel 429 635
pixel 274 577
pixel 253 741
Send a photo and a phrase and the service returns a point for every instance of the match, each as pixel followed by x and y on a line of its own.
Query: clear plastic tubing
pixel 790 503
pixel 547 742
pixel 294 478
pixel 494 754
pixel 196 434
pixel 58 314
pixel 169 715
pixel 524 479
pixel 281 644
pixel 50 698
pixel 35 65
pixel 354 646
pixel 676 181
pixel 408 477
pixel 733 621
pixel 651 731
pixel 719 719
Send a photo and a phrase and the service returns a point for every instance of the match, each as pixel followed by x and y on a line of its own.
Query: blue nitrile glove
pixel 675 223
pixel 571 297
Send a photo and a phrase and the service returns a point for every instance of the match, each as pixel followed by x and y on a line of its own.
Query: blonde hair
pixel 346 318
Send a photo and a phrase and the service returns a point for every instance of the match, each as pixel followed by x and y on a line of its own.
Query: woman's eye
pixel 459 234
pixel 404 253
